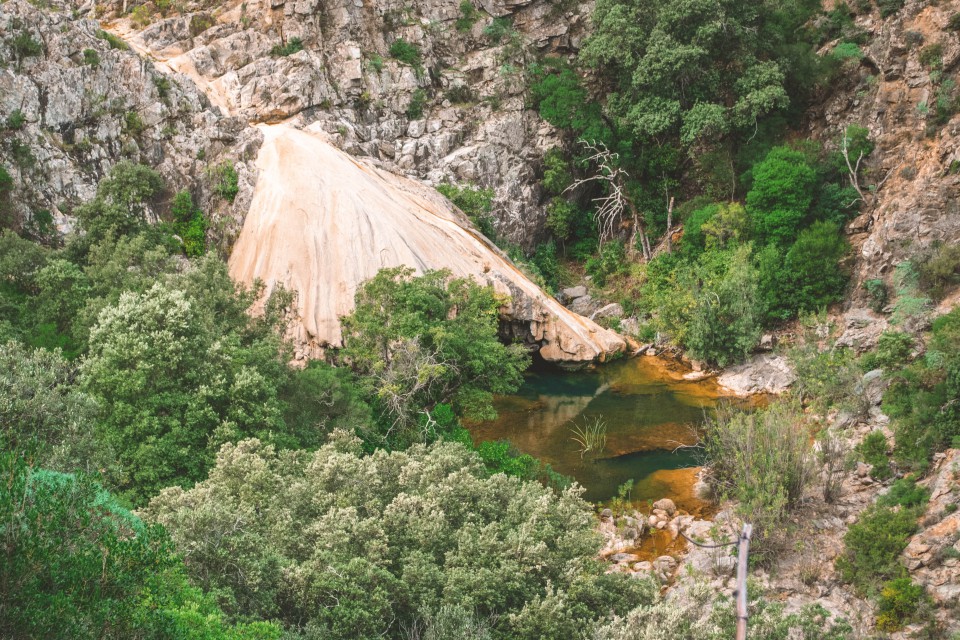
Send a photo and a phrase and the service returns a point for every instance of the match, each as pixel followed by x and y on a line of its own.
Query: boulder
pixel 764 373
pixel 573 293
pixel 612 310
pixel 667 505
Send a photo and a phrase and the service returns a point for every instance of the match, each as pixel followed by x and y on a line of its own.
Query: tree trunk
pixel 670 226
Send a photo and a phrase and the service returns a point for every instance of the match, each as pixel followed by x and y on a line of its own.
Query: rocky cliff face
pixel 86 105
pixel 322 222
pixel 454 111
pixel 904 92
pixel 318 221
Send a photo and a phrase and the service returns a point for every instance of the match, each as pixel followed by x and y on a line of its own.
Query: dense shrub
pixel 468 16
pixel 112 40
pixel 901 601
pixel 347 546
pixel 225 181
pixel 474 201
pixel 781 195
pixel 827 376
pixel 419 341
pixel 905 493
pixel 763 461
pixel 893 351
pixel 180 369
pixel 873 449
pixel 78 565
pixel 703 615
pixel 724 324
pixel 672 75
pixel 91 57
pixel 610 260
pixel 417 104
pixel 406 52
pixel 940 271
pixel 873 546
pixel 291 46
pixel 922 397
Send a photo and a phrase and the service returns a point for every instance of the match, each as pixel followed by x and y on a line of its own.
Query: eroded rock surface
pixel 322 222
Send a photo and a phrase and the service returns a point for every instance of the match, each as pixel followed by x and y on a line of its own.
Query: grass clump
pixel 406 52
pixel 293 45
pixel 112 40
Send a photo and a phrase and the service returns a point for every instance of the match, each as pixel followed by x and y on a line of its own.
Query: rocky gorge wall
pixel 87 105
pixel 457 114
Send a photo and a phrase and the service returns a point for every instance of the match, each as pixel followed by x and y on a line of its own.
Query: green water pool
pixel 648 409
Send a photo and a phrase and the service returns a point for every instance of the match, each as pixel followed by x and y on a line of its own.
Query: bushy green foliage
pixel 91 57
pixel 42 411
pixel 611 260
pixel 77 565
pixel 24 45
pixel 889 7
pixel 873 449
pixel 763 461
pixel 893 351
pixel 873 546
pixel 419 341
pixel 703 615
pixel 922 397
pixel 845 51
pixel 674 72
pixel 558 94
pixel 878 292
pixel 499 29
pixel 226 181
pixel 724 325
pixel 474 201
pixel 905 493
pixel 781 195
pixel 940 270
pixel 178 370
pixel 417 104
pixel 190 224
pixel 123 201
pixel 826 376
pixel 900 603
pixel 406 52
pixel 112 40
pixel 347 546
pixel 291 46
pixel 15 120
pixel 468 16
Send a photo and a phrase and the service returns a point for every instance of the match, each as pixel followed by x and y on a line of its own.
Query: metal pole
pixel 742 553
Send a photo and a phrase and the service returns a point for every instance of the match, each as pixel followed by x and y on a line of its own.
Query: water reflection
pixel 649 411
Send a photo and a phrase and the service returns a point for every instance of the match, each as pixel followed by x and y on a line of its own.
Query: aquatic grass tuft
pixel 591 437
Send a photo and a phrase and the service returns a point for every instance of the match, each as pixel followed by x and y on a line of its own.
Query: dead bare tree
pixel 670 226
pixel 853 169
pixel 611 205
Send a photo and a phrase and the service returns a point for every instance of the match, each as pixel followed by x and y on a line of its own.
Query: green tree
pixel 354 546
pixel 419 341
pixel 781 195
pixel 180 369
pixel 77 565
pixel 122 204
pixel 691 69
pixel 42 410
pixel 724 322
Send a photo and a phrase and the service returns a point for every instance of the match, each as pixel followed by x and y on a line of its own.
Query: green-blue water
pixel 649 411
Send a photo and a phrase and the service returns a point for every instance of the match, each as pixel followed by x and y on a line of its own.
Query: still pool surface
pixel 649 411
